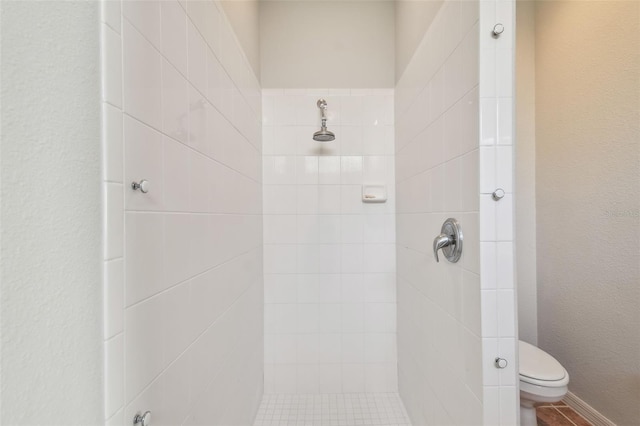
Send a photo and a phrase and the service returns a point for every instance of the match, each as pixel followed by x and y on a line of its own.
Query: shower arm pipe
pixel 322 104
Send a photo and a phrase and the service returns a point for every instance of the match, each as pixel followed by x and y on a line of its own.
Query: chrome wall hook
pixel 142 419
pixel 500 363
pixel 497 30
pixel 498 194
pixel 143 186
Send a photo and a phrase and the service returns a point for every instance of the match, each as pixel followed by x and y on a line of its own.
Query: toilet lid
pixel 539 365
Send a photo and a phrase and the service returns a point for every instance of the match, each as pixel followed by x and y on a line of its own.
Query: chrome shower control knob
pixel 142 419
pixel 143 186
pixel 449 241
pixel 498 29
pixel 501 363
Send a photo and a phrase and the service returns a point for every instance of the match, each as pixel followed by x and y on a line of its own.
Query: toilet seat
pixel 538 368
pixel 546 383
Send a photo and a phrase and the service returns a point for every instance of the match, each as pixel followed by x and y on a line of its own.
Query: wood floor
pixel 559 414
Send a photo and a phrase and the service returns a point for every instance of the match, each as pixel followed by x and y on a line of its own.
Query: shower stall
pixel 252 262
pixel 177 249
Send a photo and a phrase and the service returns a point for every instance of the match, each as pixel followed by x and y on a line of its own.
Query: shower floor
pixel 350 409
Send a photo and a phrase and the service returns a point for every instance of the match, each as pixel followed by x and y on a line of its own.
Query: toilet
pixel 542 379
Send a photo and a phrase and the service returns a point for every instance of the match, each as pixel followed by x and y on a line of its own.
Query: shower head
pixel 323 135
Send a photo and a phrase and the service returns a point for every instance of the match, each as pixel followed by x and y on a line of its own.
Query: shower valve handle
pixel 441 241
pixel 449 241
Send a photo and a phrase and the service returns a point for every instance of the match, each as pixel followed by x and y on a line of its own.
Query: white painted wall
pixel 183 263
pixel 412 19
pixel 588 198
pixel 338 44
pixel 525 172
pixel 330 312
pixel 437 171
pixel 244 17
pixel 51 363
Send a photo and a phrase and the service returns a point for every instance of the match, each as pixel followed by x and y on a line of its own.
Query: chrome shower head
pixel 323 135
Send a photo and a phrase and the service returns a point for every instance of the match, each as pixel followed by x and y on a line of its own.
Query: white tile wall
pixel 188 122
pixel 439 304
pixel 499 321
pixel 183 263
pixel 454 137
pixel 329 259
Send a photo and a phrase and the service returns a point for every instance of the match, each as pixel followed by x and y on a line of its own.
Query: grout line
pixel 161 132
pixel 186 281
pixel 415 137
pixel 193 342
pixel 119 333
pixel 176 212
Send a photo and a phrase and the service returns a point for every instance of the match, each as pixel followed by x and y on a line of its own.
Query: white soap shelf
pixel 374 193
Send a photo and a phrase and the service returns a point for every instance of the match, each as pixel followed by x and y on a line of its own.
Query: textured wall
pixel 588 198
pixel 338 44
pixel 50 360
pixel 330 313
pixel 437 171
pixel 183 263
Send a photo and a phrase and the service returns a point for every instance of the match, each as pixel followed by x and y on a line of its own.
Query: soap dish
pixel 374 193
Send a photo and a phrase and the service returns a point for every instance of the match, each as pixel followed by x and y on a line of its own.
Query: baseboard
pixel 587 411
